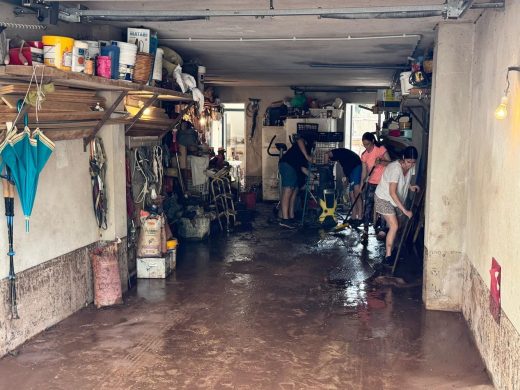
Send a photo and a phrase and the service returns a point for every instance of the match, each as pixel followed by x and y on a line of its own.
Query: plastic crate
pixel 304 127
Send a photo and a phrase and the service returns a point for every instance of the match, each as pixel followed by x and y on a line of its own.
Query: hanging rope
pixel 97 164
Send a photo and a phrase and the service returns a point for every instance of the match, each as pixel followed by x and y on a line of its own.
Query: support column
pixel 447 167
pixel 113 137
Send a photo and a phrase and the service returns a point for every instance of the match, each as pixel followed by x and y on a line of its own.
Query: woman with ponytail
pixel 391 193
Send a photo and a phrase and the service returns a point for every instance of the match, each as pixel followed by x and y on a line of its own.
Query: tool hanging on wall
pixel 98 169
pixel 252 112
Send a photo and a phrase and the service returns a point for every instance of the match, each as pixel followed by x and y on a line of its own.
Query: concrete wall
pixel 492 228
pixel 269 95
pixel 447 167
pixel 472 207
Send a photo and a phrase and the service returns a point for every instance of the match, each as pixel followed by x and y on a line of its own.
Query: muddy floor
pixel 263 308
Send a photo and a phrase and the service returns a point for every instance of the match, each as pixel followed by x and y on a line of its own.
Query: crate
pixel 307 127
pixel 153 267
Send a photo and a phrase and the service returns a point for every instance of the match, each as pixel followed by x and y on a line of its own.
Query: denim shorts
pixel 288 175
pixel 355 176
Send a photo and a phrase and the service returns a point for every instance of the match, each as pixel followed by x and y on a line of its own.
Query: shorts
pixel 288 175
pixel 383 207
pixel 355 176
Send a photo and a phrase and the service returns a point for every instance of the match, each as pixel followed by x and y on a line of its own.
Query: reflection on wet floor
pixel 262 308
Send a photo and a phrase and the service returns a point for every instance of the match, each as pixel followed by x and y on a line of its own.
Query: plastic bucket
pixel 57 51
pixel 171 244
pixel 127 52
pixel 157 65
pixel 79 54
pixel 405 83
pixel 249 199
pixel 25 56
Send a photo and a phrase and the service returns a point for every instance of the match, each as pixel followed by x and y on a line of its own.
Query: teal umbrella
pixel 26 156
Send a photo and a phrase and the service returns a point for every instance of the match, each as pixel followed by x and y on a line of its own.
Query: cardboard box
pixel 153 267
pixel 140 37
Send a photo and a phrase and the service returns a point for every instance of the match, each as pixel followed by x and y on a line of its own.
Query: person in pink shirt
pixel 375 156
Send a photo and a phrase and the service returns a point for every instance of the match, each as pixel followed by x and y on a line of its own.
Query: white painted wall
pixel 62 218
pixel 492 225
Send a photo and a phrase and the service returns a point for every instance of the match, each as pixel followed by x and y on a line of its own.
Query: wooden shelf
pixel 8 73
pixel 19 74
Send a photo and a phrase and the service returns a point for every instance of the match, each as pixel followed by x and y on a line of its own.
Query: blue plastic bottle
pixel 113 52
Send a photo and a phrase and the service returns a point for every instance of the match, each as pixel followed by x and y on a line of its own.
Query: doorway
pixel 358 120
pixel 230 134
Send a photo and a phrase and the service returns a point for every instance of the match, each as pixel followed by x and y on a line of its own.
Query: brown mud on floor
pixel 257 310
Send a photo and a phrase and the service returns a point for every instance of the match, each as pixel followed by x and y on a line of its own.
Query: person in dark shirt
pixel 352 168
pixel 293 168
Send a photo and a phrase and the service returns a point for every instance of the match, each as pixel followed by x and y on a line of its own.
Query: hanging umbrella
pixel 26 156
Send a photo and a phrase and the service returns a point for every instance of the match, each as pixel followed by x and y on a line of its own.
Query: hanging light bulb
pixel 501 111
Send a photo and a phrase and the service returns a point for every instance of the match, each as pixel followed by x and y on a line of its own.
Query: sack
pixel 107 281
pixel 150 237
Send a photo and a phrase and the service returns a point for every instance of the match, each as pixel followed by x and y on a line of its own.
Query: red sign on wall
pixel 494 290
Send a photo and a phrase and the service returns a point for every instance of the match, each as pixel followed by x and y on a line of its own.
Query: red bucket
pixel 249 199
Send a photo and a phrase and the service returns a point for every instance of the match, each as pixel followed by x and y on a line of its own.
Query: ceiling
pixel 280 50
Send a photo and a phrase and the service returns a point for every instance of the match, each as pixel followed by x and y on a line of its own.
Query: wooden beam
pixel 140 113
pixel 108 113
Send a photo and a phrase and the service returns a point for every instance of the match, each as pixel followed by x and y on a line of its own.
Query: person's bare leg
pixel 292 203
pixel 391 221
pixel 286 200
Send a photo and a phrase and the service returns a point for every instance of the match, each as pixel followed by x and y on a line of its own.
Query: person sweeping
pixel 391 193
pixel 374 159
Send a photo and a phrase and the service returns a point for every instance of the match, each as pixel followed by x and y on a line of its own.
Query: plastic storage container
pixel 112 51
pixel 405 83
pixel 57 51
pixel 127 55
pixel 79 54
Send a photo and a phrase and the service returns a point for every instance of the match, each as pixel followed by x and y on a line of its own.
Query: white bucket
pixel 157 65
pixel 405 83
pixel 79 54
pixel 127 53
pixel 93 49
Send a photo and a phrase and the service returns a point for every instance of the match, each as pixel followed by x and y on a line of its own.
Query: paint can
pixel 157 65
pixel 57 51
pixel 103 66
pixel 79 54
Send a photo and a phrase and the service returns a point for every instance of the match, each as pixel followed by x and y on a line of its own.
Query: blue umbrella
pixel 26 156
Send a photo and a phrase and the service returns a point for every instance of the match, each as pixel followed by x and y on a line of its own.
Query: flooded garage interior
pixel 144 145
pixel 263 308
